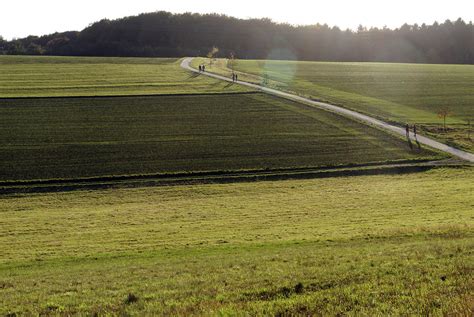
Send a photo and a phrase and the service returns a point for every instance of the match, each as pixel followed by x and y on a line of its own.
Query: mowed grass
pixel 26 76
pixel 369 245
pixel 70 138
pixel 401 93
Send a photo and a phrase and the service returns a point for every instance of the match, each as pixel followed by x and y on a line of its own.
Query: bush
pixel 131 298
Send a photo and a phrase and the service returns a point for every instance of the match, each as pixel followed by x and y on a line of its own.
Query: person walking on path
pixel 200 68
pixel 236 77
pixel 233 77
pixel 414 130
pixel 407 129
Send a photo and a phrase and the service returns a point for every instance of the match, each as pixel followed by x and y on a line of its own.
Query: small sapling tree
pixel 212 54
pixel 443 113
pixel 231 63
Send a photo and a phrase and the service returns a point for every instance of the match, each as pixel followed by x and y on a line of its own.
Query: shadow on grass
pixel 229 84
pixel 193 75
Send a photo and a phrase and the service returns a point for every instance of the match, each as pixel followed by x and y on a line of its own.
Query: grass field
pixel 370 245
pixel 26 76
pixel 70 138
pixel 366 245
pixel 402 93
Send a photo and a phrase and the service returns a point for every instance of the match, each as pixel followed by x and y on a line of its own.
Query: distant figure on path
pixel 236 77
pixel 200 68
pixel 203 68
pixel 407 128
pixel 414 130
pixel 233 77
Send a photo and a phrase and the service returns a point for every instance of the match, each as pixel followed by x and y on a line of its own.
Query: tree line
pixel 163 34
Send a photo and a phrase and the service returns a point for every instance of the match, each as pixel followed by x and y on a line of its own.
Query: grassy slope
pixel 23 76
pixel 72 138
pixel 372 245
pixel 395 92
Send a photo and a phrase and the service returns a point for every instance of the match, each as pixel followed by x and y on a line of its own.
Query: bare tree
pixel 444 113
pixel 212 53
pixel 231 62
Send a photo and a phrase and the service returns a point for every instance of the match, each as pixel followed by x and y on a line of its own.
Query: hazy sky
pixel 19 18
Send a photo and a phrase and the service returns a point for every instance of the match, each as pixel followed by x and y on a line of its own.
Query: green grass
pixel 369 245
pixel 402 93
pixel 70 138
pixel 25 76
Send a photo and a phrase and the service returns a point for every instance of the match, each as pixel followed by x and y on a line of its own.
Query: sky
pixel 20 18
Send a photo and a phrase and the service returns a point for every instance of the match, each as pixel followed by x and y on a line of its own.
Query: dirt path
pixel 342 111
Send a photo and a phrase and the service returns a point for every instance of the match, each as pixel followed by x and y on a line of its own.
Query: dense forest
pixel 164 34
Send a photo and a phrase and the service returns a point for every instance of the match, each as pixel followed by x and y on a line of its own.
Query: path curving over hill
pixel 186 64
